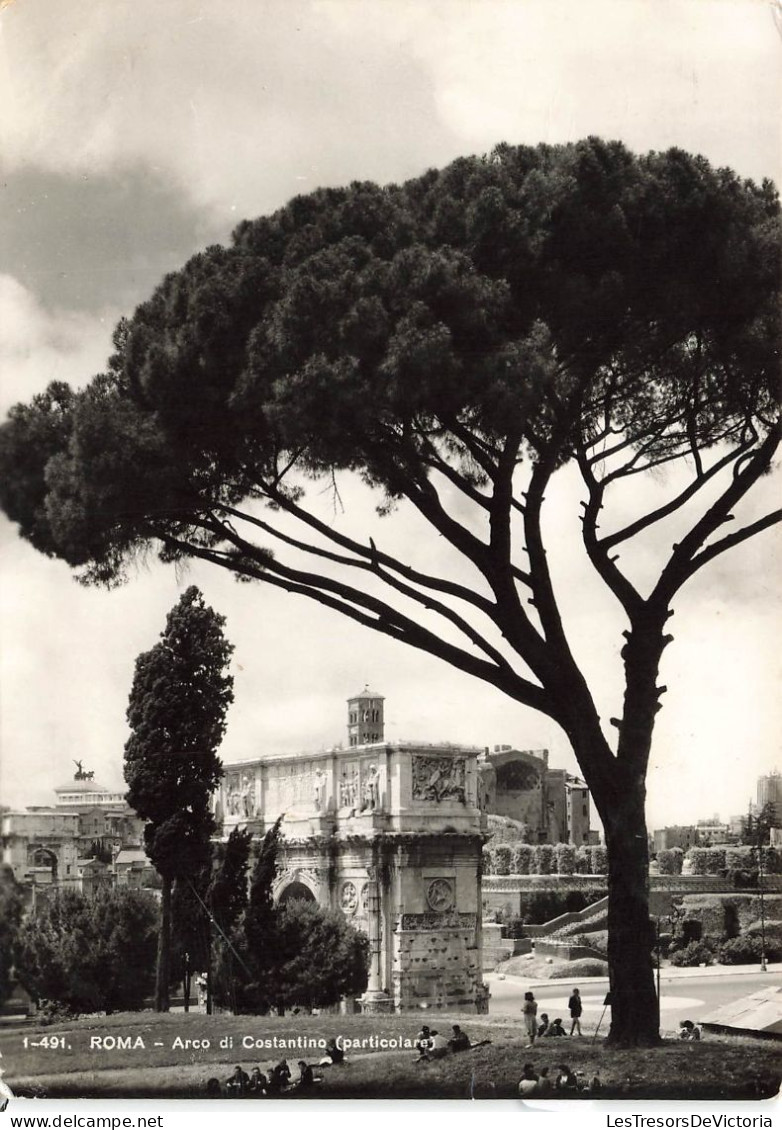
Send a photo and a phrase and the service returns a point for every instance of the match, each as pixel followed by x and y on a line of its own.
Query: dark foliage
pixel 91 954
pixel 11 908
pixel 180 695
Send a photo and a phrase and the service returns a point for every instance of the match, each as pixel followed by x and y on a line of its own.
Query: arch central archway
pixel 295 891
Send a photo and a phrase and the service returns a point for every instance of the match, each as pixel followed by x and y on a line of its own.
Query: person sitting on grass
pixel 258 1081
pixel 213 1089
pixel 306 1080
pixel 566 1080
pixel 459 1041
pixel 688 1030
pixel 555 1028
pixel 236 1085
pixel 543 1026
pixel 545 1086
pixel 422 1042
pixel 280 1078
pixel 528 1084
pixel 334 1054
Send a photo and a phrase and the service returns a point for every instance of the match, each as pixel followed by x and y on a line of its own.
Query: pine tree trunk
pixel 635 1012
pixel 162 1003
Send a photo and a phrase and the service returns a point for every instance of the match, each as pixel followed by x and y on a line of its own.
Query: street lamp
pixel 763 966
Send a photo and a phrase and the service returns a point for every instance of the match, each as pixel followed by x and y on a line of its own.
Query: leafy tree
pixel 255 939
pixel 756 826
pixel 227 901
pixel 319 957
pixel 461 342
pixel 190 928
pixel 90 954
pixel 11 908
pixel 177 709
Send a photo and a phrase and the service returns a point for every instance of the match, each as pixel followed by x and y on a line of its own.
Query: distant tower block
pixel 365 718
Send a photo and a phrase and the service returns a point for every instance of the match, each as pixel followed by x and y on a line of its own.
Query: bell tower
pixel 365 718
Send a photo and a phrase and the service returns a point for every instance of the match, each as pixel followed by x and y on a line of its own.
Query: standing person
pixel 530 1012
pixel 576 1008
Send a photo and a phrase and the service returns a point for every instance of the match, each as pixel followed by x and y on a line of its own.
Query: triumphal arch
pixel 389 833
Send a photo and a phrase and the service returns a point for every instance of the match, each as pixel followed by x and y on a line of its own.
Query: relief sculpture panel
pixel 439 778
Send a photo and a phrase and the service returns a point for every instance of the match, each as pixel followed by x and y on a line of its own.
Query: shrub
pixel 670 861
pixel 505 830
pixel 502 854
pixel 583 967
pixel 583 860
pixel 707 861
pixel 565 859
pixel 740 858
pixel 694 953
pixel 595 939
pixel 747 950
pixel 742 880
pixel 487 860
pixel 522 859
pixel 685 932
pixel 772 861
pixel 544 859
pixel 598 859
pixel 90 954
pixel 514 929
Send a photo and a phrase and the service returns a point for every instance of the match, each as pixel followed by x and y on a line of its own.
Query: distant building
pixel 714 831
pixel 770 793
pixel 553 803
pixel 365 718
pixel 55 844
pixel 682 836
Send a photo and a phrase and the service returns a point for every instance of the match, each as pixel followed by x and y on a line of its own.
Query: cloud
pixel 75 239
pixel 38 346
pixel 244 105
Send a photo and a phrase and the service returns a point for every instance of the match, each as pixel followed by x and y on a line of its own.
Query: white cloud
pixel 37 346
pixel 246 104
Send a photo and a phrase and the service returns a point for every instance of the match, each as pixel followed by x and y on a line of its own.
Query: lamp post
pixel 763 966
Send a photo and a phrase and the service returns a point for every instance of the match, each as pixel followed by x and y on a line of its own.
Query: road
pixel 688 998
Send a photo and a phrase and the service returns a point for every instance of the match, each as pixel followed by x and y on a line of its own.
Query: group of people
pixel 544 1028
pixel 430 1044
pixel 566 1082
pixel 240 1085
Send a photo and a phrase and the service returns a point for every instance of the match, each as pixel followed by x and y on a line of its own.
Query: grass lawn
pixel 166 1066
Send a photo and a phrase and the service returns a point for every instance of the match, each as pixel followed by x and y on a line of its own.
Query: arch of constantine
pixel 391 835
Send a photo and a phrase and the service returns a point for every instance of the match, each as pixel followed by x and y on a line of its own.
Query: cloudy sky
pixel 135 133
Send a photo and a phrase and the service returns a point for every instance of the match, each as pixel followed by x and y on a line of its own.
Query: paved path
pixel 684 993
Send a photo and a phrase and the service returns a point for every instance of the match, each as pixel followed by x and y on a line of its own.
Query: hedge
pixel 502 857
pixel 707 861
pixel 521 862
pixel 565 859
pixel 545 859
pixel 670 860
